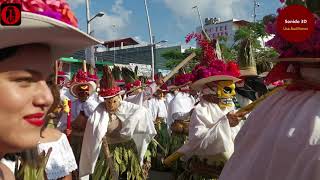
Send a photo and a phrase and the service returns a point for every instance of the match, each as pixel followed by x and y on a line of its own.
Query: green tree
pixel 252 35
pixel 228 53
pixel 174 57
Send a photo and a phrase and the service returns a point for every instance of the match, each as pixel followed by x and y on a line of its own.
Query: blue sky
pixel 171 20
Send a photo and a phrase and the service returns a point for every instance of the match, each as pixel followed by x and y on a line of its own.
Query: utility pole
pixel 256 4
pixel 151 40
pixel 201 23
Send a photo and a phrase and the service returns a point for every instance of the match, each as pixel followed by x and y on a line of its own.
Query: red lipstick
pixel 35 119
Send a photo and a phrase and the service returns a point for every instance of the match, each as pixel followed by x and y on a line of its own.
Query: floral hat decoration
pixel 210 67
pixel 80 81
pixel 108 86
pixel 62 78
pixel 49 22
pixel 92 75
pixel 131 79
pixel 182 81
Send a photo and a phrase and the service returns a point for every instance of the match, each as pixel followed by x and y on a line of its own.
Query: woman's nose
pixel 43 96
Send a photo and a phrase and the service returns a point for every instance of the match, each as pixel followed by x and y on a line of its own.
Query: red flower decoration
pixel 137 83
pixel 61 73
pixel 80 77
pixel 109 92
pixel 183 79
pixel 56 9
pixel 210 65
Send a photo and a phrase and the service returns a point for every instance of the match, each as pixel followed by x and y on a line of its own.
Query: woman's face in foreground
pixel 24 97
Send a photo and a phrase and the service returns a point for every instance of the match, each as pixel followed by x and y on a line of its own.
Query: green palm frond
pixel 33 165
pixel 128 75
pixel 116 72
pixel 246 56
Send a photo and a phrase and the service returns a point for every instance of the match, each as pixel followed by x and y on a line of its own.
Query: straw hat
pixel 264 74
pixel 108 86
pixel 198 85
pixel 211 68
pixel 47 22
pixel 249 71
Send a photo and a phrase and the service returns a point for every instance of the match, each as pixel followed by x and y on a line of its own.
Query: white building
pixel 215 28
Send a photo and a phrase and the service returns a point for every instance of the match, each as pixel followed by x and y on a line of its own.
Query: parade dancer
pixel 27 52
pixel 213 125
pixel 136 92
pixel 81 109
pixel 183 102
pixel 116 136
pixel 179 113
pixel 280 140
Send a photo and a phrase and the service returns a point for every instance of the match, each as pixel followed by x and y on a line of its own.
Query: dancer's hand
pixel 235 118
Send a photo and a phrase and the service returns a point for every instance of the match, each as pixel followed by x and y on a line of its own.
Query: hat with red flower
pixel 210 67
pixel 108 86
pixel 92 75
pixel 49 22
pixel 182 82
pixel 131 79
pixel 62 77
pixel 80 81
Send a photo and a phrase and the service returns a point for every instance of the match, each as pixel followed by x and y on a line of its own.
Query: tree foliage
pixel 174 57
pixel 254 32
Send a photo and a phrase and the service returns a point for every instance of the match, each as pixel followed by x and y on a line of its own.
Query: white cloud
pixel 141 41
pixel 75 3
pixel 224 9
pixel 113 24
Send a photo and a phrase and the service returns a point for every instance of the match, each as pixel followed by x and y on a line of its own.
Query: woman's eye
pixel 26 79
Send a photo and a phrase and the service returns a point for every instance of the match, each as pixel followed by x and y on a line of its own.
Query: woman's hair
pixel 55 92
pixel 56 97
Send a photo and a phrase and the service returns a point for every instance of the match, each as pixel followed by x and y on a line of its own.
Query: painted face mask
pixel 83 92
pixel 113 103
pixel 225 92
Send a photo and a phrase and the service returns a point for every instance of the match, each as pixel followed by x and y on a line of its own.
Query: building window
pixel 216 29
pixel 226 33
pixel 225 27
pixel 220 28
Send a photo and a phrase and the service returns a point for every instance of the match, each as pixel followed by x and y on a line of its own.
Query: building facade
pixel 137 55
pixel 215 28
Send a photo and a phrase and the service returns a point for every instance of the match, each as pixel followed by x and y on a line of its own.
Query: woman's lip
pixel 35 119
